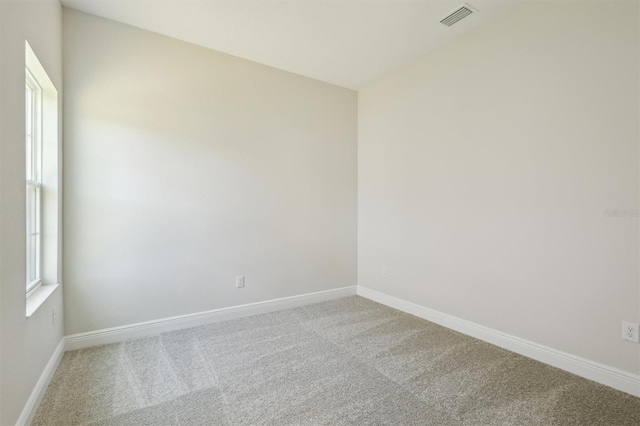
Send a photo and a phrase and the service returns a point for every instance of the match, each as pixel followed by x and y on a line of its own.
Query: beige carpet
pixel 344 362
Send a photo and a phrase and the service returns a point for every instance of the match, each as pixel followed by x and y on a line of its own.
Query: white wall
pixel 185 167
pixel 485 171
pixel 26 345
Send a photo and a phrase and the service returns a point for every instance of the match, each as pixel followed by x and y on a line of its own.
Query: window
pixel 43 184
pixel 33 132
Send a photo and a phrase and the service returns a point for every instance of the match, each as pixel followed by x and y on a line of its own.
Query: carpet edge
pixel 30 408
pixel 588 369
pixel 147 328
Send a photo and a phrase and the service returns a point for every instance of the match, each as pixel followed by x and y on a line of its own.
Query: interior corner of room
pixel 488 182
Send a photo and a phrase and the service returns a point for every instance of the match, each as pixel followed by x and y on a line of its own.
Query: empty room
pixel 319 212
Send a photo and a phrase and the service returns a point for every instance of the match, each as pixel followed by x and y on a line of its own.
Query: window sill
pixel 37 299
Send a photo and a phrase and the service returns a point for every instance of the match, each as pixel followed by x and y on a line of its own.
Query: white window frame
pixel 33 145
pixel 43 228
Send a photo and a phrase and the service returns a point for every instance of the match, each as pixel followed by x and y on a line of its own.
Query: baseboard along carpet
pixel 349 361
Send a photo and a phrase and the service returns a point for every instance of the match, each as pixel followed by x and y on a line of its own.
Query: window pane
pixel 29 130
pixel 37 233
pixel 33 233
pixel 31 273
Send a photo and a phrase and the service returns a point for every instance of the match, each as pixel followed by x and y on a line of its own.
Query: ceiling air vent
pixel 458 14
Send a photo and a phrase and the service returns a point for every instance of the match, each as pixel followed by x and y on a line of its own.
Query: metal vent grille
pixel 458 14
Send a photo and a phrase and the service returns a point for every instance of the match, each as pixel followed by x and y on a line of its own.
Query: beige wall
pixel 26 345
pixel 185 167
pixel 485 171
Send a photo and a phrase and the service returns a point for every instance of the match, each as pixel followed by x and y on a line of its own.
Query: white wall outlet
pixel 54 316
pixel 384 272
pixel 240 281
pixel 630 331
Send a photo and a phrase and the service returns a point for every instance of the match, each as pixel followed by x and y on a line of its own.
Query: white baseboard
pixel 132 331
pixel 33 402
pixel 604 374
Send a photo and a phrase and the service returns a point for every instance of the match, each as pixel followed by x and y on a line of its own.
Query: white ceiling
pixel 345 42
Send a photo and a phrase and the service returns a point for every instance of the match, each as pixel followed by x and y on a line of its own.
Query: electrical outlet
pixel 630 331
pixel 54 316
pixel 384 272
pixel 240 281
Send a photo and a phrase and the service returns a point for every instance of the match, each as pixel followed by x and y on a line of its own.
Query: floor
pixel 345 362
